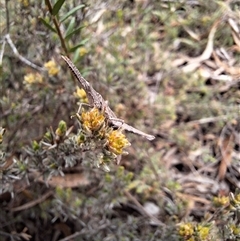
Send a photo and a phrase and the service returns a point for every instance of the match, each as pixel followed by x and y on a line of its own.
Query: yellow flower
pixel 81 94
pixel 117 141
pixel 203 232
pixel 92 120
pixel 25 3
pixel 186 229
pixel 220 201
pixel 235 229
pixel 32 78
pixel 82 51
pixel 51 67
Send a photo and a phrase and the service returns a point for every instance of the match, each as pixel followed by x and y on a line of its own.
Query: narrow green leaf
pixel 71 12
pixel 57 6
pixel 47 24
pixel 79 45
pixel 70 26
pixel 68 35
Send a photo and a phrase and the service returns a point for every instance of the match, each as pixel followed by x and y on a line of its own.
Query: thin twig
pixel 7 16
pixel 2 51
pixel 33 203
pixel 56 23
pixel 24 60
pixel 142 210
pixel 208 120
pixel 6 234
pixel 70 237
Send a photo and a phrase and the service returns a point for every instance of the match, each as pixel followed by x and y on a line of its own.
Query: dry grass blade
pixel 68 181
pixel 32 203
pixel 235 71
pixel 226 151
pixel 195 62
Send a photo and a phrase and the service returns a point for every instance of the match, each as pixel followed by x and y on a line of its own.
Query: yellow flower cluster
pixel 235 230
pixel 108 142
pixel 190 232
pixel 203 232
pixel 92 120
pixel 117 141
pixel 186 230
pixel 32 78
pixel 220 201
pixel 51 67
pixel 81 94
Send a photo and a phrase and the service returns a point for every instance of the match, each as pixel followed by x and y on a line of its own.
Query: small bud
pixel 35 146
pixel 62 128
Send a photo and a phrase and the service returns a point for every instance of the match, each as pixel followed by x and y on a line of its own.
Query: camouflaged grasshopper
pixel 96 100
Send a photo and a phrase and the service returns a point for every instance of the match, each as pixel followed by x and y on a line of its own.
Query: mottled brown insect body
pixel 96 100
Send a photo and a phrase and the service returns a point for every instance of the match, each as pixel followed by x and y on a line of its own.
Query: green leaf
pixel 70 26
pixel 71 12
pixel 57 6
pixel 68 35
pixel 47 24
pixel 79 45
